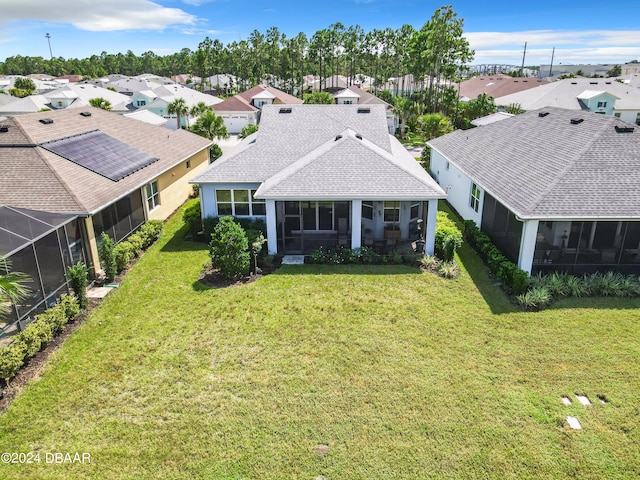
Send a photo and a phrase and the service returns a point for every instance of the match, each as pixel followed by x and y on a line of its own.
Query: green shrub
pixel 107 258
pixel 535 299
pixel 229 248
pixel 55 317
pixel 124 253
pixel 78 277
pixel 519 281
pixel 429 261
pixel 70 306
pixel 150 231
pixel 192 218
pixel 137 243
pixel 448 237
pixel 11 360
pixel 30 339
pixel 208 226
pixel 448 269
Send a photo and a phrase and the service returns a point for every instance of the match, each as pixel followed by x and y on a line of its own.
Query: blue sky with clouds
pixel 586 31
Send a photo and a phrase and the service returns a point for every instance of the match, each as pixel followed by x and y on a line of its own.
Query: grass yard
pixel 402 374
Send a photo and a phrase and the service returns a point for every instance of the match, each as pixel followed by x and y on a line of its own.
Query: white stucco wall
pixel 458 187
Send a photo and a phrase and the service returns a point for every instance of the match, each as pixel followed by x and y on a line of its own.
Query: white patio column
pixel 527 244
pixel 430 228
pixel 356 223
pixel 272 230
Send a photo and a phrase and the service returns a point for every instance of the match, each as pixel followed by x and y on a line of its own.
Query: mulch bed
pixel 212 277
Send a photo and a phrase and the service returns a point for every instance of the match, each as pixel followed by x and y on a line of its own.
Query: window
pixel 347 102
pixel 367 210
pixel 225 205
pixel 141 103
pixel 153 196
pixel 602 104
pixel 391 211
pixel 475 197
pixel 188 163
pixel 239 203
pixel 447 166
pixel 617 114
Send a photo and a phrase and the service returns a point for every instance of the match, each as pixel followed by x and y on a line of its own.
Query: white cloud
pixel 587 46
pixel 102 16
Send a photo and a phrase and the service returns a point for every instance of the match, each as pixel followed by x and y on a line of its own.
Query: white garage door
pixel 235 123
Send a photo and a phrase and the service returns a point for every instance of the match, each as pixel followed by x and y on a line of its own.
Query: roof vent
pixel 574 83
pixel 364 110
pixel 46 121
pixel 543 114
pixel 85 114
pixel 608 83
pixel 358 136
pixel 593 83
pixel 4 128
pixel 285 110
pixel 624 129
pixel 525 81
pixel 338 137
pixel 576 121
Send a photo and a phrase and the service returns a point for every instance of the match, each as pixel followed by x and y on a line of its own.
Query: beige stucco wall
pixel 94 259
pixel 174 187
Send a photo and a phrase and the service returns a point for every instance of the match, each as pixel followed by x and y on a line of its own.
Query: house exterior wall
pixel 209 206
pixel 629 116
pixel 604 103
pixel 236 121
pixel 174 187
pixel 458 187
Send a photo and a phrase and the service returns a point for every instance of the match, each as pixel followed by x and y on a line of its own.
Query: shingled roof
pixel 35 178
pixel 553 163
pixel 324 151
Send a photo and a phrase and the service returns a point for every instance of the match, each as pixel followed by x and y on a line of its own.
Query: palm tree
pixel 12 289
pixel 199 109
pixel 211 126
pixel 179 107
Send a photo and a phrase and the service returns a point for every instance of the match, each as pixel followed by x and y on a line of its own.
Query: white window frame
pixel 252 202
pixel 153 197
pixel 474 198
pixel 387 206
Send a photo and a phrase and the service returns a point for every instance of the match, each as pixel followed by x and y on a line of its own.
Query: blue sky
pixel 581 31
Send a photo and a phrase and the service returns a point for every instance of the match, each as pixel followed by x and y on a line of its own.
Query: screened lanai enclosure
pixel 305 226
pixel 573 246
pixel 41 245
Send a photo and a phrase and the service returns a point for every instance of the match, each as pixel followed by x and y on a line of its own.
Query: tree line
pixel 437 52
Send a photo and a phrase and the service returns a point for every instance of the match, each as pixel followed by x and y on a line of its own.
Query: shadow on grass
pixel 492 293
pixel 178 243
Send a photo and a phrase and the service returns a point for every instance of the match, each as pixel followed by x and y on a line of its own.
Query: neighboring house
pixel 20 106
pixel 324 175
pixel 492 118
pixel 356 96
pixel 622 99
pixel 555 189
pixel 597 101
pixel 79 94
pixel 244 109
pixel 585 70
pixel 495 85
pixel 147 117
pixel 166 94
pixel 87 171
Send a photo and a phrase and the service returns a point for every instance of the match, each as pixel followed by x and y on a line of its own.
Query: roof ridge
pixel 570 164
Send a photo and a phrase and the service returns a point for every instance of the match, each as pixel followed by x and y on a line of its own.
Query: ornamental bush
pixel 78 277
pixel 107 258
pixel 448 237
pixel 229 248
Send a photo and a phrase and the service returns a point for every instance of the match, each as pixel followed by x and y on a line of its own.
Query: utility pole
pixel 48 37
pixel 551 66
pixel 523 55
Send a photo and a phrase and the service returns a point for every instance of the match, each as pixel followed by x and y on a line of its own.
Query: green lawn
pixel 402 374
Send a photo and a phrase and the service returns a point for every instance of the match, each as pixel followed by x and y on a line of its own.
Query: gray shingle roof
pixel 299 154
pixel 546 167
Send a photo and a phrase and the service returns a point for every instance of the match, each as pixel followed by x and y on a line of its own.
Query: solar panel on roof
pixel 102 154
